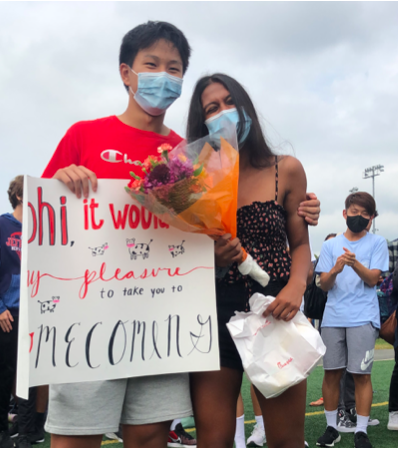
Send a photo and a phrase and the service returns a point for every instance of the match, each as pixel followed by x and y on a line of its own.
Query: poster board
pixel 109 291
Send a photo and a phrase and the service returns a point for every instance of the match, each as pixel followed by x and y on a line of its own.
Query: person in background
pixel 393 396
pixel 319 402
pixel 350 266
pixel 10 268
pixel 258 434
pixel 179 437
pixel 239 438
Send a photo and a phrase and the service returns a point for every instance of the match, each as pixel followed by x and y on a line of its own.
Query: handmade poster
pixel 109 291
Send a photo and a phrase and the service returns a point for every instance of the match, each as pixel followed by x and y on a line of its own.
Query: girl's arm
pixel 288 301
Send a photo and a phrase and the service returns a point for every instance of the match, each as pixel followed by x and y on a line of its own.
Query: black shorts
pixel 231 298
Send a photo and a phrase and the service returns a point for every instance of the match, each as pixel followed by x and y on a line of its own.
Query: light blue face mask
pixel 156 91
pixel 215 124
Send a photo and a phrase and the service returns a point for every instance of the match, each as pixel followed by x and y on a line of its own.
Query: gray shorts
pixel 93 408
pixel 349 347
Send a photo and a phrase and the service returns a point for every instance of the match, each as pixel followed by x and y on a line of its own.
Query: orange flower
pixel 136 184
pixel 164 147
pixel 148 163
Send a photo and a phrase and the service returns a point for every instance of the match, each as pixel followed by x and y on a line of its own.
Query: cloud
pixel 322 75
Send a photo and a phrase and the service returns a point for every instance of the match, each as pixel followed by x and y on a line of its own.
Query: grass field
pixel 315 420
pixel 382 344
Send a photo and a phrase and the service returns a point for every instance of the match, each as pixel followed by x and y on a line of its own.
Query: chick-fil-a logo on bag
pixel 267 322
pixel 281 365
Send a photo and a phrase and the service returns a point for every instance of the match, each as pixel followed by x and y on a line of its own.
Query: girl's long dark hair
pixel 255 145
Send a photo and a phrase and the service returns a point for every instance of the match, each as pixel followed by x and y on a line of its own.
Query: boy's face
pixel 354 210
pixel 162 56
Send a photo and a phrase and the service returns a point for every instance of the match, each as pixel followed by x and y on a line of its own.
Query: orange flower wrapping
pixel 204 203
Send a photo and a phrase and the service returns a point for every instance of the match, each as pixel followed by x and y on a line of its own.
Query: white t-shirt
pixel 351 302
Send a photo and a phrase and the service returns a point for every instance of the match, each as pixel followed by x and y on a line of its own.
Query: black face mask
pixel 357 223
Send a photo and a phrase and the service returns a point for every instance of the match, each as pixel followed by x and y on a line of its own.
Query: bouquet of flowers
pixel 194 188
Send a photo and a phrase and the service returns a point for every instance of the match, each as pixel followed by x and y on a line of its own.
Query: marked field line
pixel 252 421
pixel 321 412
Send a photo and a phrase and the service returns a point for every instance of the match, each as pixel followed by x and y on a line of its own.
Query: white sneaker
pixel 373 422
pixel 257 437
pixel 392 421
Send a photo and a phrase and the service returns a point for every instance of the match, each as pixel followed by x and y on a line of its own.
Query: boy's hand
pixel 5 321
pixel 227 251
pixel 77 178
pixel 349 258
pixel 340 263
pixel 310 209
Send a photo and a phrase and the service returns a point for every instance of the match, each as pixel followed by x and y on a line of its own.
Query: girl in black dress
pixel 271 189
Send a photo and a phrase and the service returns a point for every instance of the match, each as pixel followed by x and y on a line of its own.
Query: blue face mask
pixel 215 124
pixel 156 91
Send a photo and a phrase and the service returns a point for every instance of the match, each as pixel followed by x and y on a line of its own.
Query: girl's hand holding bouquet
pixel 194 188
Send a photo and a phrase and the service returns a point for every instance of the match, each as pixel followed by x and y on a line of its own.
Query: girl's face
pixel 216 98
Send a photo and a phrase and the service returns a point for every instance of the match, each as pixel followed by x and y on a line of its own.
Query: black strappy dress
pixel 262 232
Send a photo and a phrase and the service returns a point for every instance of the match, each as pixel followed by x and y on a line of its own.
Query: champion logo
pixel 115 157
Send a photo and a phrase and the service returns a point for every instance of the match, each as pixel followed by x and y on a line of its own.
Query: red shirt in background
pixel 107 147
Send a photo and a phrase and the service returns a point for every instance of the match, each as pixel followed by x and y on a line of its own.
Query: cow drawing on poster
pixel 175 250
pixel 138 249
pixel 49 305
pixel 98 250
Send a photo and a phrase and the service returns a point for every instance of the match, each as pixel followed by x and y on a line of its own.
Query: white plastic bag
pixel 275 354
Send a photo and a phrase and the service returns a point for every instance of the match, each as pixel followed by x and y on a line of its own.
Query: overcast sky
pixel 323 77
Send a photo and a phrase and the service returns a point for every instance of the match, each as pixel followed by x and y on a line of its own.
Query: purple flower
pixel 180 170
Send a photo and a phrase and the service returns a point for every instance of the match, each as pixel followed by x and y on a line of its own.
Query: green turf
pixel 382 344
pixel 315 424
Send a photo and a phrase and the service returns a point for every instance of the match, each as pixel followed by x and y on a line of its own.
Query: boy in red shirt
pixel 153 59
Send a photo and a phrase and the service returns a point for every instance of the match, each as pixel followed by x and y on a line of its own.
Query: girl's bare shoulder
pixel 290 165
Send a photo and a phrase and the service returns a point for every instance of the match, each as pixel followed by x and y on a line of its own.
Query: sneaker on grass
pixel 38 436
pixel 330 437
pixel 115 435
pixel 392 421
pixel 361 439
pixel 23 441
pixel 14 429
pixel 344 423
pixel 180 438
pixel 5 439
pixel 373 422
pixel 257 437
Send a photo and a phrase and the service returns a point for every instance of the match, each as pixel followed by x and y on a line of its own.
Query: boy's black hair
pixel 15 189
pixel 330 236
pixel 260 154
pixel 147 34
pixel 364 200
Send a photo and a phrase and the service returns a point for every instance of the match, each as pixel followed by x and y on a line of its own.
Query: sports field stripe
pixel 252 421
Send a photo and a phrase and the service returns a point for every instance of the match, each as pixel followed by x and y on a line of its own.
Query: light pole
pixel 372 172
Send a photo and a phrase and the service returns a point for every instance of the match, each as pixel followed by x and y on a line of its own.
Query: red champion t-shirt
pixel 107 147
